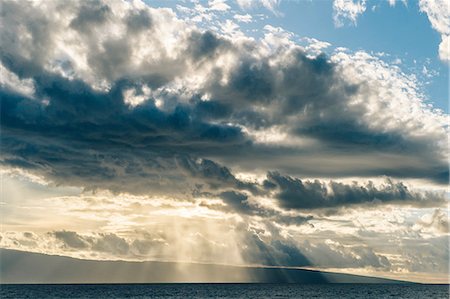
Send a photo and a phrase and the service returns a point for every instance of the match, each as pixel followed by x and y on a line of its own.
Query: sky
pixel 309 134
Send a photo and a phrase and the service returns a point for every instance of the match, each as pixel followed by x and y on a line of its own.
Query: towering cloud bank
pixel 112 95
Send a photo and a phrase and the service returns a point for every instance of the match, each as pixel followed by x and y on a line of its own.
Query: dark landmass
pixel 26 267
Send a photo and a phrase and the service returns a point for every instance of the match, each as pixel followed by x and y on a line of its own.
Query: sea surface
pixel 43 291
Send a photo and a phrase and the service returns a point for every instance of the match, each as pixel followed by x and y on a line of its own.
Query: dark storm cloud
pixel 309 99
pixel 92 139
pixel 292 87
pixel 205 45
pixel 293 193
pixel 216 174
pixel 73 130
pixel 253 82
pixel 239 203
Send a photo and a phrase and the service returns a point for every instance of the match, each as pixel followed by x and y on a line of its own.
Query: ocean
pixel 201 290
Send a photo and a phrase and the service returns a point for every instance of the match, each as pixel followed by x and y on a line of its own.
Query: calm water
pixel 225 291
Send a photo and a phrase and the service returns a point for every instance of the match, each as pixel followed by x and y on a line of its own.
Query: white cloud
pixel 133 98
pixel 394 2
pixel 315 46
pixel 347 10
pixel 438 12
pixel 386 83
pixel 444 48
pixel 243 18
pixel 11 81
pixel 434 223
pixel 219 5
pixel 271 5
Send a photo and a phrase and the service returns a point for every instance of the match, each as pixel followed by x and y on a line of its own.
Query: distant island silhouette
pixel 26 267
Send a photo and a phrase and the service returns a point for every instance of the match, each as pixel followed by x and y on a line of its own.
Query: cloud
pixel 270 5
pixel 297 194
pixel 109 244
pixel 219 5
pixel 347 10
pixel 268 246
pixel 331 254
pixel 392 3
pixel 71 239
pixel 157 105
pixel 438 221
pixel 444 48
pixel 272 253
pixel 243 18
pixel 249 231
pixel 438 12
pixel 247 207
pixel 10 81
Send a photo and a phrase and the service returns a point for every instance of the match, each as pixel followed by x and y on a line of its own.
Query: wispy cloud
pixel 350 10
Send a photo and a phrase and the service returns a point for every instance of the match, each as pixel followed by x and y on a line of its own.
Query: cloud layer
pixel 116 100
